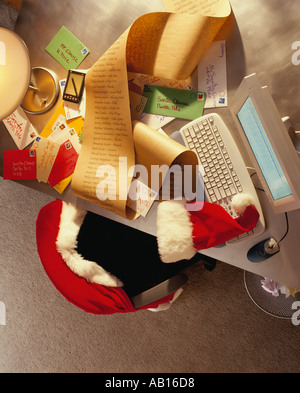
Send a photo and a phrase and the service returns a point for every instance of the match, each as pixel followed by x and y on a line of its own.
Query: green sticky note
pixel 166 101
pixel 67 49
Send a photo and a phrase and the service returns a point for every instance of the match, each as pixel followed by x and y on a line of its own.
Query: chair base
pixel 159 291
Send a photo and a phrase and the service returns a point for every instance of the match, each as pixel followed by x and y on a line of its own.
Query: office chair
pixel 126 255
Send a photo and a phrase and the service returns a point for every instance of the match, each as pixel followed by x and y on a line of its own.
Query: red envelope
pixel 19 165
pixel 64 163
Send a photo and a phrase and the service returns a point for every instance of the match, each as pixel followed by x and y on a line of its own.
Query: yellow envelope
pixel 77 124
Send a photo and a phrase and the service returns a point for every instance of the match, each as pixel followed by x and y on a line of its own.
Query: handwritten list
pixel 112 133
pixel 148 47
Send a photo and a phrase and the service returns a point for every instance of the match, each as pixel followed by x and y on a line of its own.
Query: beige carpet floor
pixel 212 327
pixel 8 14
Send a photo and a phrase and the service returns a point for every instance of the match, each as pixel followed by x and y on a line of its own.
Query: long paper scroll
pixel 165 44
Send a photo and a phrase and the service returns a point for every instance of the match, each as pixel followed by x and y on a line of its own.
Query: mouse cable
pixel 287 227
pixel 252 174
pixel 286 216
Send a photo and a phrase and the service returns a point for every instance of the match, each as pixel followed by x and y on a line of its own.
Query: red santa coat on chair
pixel 83 283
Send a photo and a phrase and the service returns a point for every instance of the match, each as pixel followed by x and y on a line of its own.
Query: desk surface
pixel 259 37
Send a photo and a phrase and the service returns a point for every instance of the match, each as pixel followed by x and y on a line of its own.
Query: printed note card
pixel 212 75
pixel 67 49
pixel 166 101
pixel 19 165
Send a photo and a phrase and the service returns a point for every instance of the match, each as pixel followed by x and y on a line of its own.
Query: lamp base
pixel 42 92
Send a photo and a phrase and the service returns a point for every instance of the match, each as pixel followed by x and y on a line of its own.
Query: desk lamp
pixel 36 89
pixel 14 71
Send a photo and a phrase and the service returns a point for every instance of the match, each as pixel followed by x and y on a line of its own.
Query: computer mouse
pixel 263 250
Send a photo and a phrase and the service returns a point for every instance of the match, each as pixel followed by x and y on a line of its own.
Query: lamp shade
pixel 14 71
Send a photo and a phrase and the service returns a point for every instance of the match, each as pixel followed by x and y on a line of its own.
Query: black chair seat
pixel 129 254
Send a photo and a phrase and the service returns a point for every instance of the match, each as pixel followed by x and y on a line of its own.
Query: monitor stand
pixel 293 134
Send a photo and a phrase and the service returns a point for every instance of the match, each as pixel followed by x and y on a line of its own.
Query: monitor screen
pixel 263 151
pixel 267 145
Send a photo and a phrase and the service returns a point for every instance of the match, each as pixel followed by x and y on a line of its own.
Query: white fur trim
pixel 70 222
pixel 241 201
pixel 174 232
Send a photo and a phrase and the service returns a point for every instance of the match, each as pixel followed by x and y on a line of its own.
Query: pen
pixel 74 87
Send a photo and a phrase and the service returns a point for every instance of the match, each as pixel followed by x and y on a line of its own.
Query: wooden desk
pixel 258 35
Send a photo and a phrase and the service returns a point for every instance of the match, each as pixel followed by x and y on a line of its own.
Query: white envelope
pixel 20 128
pixel 212 75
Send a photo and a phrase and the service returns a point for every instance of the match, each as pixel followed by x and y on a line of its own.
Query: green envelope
pixel 67 49
pixel 166 101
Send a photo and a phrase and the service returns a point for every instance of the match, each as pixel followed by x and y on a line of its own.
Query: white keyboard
pixel 225 173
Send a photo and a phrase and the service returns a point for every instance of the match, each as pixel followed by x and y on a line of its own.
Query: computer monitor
pixel 268 144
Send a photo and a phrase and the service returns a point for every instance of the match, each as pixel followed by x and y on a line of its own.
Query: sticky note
pixel 19 165
pixel 184 104
pixel 67 49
